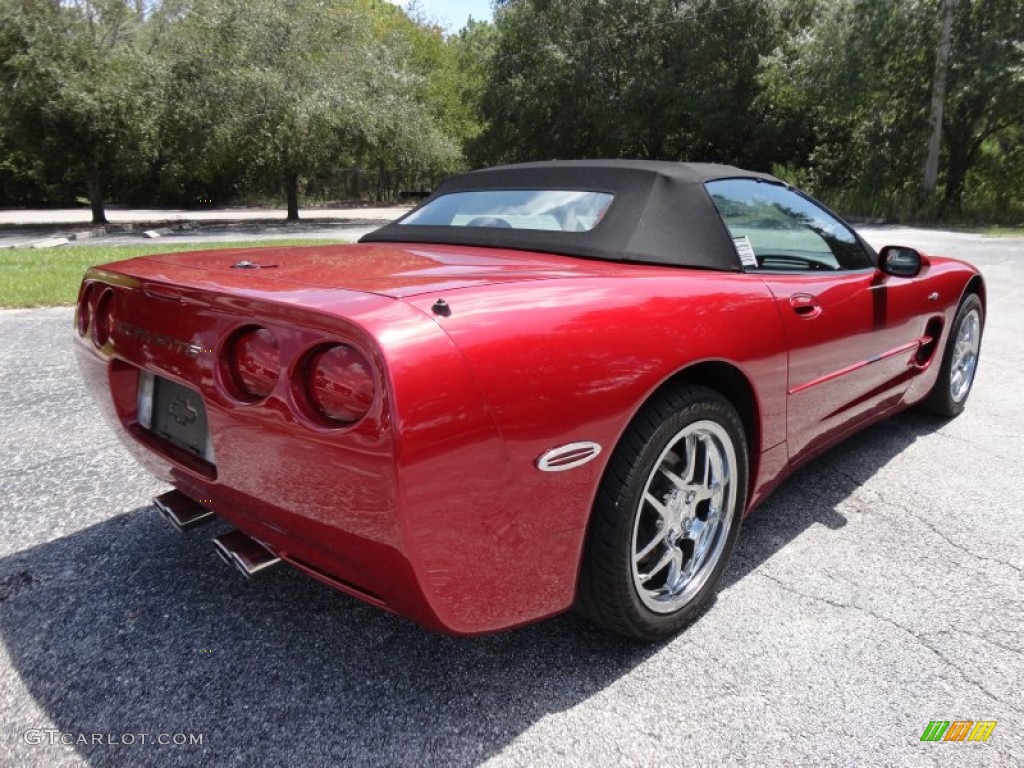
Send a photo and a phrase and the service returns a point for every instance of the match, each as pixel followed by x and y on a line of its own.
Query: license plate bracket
pixel 179 416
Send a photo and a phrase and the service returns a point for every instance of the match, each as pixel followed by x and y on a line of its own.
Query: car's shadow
pixel 815 492
pixel 130 628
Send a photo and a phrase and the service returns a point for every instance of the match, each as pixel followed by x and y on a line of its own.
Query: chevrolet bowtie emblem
pixel 182 411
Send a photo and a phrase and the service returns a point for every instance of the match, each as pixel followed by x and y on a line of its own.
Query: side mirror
pixel 900 261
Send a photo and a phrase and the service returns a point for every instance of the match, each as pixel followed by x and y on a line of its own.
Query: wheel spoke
pixel 714 514
pixel 691 457
pixel 686 572
pixel 963 349
pixel 669 557
pixel 659 537
pixel 675 567
pixel 721 469
pixel 660 508
pixel 701 493
pixel 695 529
pixel 673 478
pixel 703 543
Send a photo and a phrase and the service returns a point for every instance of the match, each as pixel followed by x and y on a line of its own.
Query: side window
pixel 776 229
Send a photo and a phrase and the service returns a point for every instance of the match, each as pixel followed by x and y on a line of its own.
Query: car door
pixel 849 346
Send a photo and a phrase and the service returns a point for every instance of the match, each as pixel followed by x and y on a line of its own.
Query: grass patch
pixel 50 277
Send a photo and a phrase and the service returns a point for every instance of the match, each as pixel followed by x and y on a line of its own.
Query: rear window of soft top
pixel 553 210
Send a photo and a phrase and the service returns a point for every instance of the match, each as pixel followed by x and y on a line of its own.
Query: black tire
pixel 942 400
pixel 696 534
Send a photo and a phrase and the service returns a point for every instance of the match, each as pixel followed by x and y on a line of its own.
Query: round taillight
pixel 255 362
pixel 339 383
pixel 85 308
pixel 102 318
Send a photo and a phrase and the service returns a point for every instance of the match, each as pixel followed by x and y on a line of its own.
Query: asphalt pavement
pixel 880 588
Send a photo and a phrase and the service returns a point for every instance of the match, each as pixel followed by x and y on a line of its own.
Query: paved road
pixel 20 228
pixel 82 216
pixel 880 588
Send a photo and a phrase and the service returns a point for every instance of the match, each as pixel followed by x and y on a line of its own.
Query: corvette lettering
pixel 159 340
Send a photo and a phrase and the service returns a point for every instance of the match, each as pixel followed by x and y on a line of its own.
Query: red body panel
pixel 432 505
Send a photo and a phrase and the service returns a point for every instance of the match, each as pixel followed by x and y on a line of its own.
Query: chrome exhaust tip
pixel 244 553
pixel 182 512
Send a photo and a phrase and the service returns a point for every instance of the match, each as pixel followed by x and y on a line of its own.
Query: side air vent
pixel 567 457
pixel 928 342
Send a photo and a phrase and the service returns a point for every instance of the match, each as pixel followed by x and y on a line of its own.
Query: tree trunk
pixel 931 165
pixel 962 156
pixel 952 198
pixel 94 187
pixel 291 189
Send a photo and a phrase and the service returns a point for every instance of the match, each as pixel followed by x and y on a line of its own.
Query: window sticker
pixel 745 250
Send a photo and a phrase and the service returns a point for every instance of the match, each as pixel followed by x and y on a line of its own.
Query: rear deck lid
pixel 391 270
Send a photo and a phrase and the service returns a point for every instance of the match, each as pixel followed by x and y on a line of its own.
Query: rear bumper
pixel 356 550
pixel 416 511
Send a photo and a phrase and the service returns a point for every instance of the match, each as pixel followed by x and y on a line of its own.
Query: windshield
pixel 539 209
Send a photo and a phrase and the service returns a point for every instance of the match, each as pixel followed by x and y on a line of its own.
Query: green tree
pixel 472 48
pixel 79 90
pixel 985 88
pixel 647 78
pixel 273 93
pixel 421 119
pixel 853 84
pixel 859 78
pixel 269 91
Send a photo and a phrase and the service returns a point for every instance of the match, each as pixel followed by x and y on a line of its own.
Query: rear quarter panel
pixel 556 362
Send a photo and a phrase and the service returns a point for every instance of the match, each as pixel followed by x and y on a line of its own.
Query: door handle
pixel 805 305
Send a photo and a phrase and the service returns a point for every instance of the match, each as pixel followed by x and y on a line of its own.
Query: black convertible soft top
pixel 661 214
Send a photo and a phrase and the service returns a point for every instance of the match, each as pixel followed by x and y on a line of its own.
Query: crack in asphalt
pixel 990 641
pixel 859 492
pixel 974 444
pixel 921 639
pixel 984 558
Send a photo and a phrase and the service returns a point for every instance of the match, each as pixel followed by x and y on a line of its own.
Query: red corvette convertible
pixel 550 385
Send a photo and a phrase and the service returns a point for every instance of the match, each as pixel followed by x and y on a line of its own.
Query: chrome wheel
pixel 960 357
pixel 965 356
pixel 685 513
pixel 667 514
